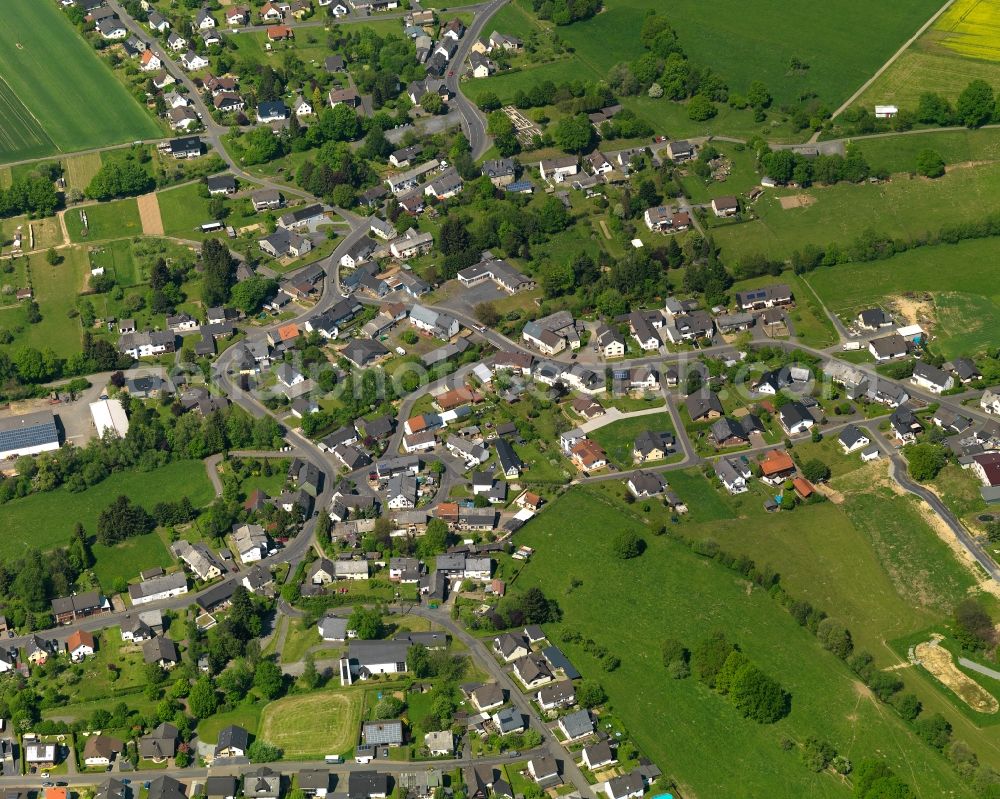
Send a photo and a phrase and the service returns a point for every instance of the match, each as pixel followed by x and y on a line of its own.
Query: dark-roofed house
pixel 314 782
pixel 852 438
pixel 598 755
pixel 795 417
pixel 263 783
pixel 703 405
pixel 221 787
pixel 166 787
pixel 764 297
pixel 69 608
pixel 162 651
pixel 160 743
pixel 233 742
pixel 367 785
pixel 645 484
pixel 931 378
pixel 888 347
pixel 627 786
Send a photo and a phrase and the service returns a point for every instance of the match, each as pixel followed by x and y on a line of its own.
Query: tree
pixel 815 471
pixel 389 707
pixel 435 539
pixel 676 658
pixel 975 105
pixel 835 637
pixel 310 676
pixel 367 623
pixel 574 134
pixel 590 694
pixel 218 272
pixel 123 519
pixel 758 95
pixel 52 257
pixel 432 103
pixel 261 751
pixel 758 697
pixel 203 700
pixel 710 656
pixel 873 779
pixel 487 314
pixel 925 460
pixel 250 294
pixel 973 626
pixel 122 179
pixel 700 108
pixel 934 729
pixel 268 679
pixel 930 164
pixel 627 544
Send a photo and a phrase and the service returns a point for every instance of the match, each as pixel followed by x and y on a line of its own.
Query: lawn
pixel 298 640
pixel 117 219
pixel 333 717
pixel 39 49
pixel 960 277
pixel 672 592
pixel 838 214
pixel 127 559
pixel 55 289
pixel 618 438
pixel 183 212
pixel 46 520
pixel 245 716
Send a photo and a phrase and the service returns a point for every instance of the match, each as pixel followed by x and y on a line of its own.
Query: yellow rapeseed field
pixel 971 28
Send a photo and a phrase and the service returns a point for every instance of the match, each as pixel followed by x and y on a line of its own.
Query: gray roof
pixel 577 724
pixel 383 732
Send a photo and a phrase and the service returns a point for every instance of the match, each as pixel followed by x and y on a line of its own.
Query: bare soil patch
pixel 913 309
pixel 149 213
pixel 796 201
pixel 938 661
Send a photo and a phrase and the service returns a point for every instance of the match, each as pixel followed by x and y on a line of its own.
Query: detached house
pixel 795 418
pixel 888 347
pixel 931 378
pixel 733 473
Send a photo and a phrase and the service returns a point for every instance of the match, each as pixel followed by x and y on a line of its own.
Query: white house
pixel 931 378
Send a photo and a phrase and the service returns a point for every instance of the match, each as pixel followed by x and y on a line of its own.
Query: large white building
pixel 109 416
pixel 29 434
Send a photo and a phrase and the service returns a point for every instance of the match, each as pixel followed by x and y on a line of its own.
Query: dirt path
pixel 149 213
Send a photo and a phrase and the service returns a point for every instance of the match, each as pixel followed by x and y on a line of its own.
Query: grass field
pixel 333 723
pixel 969 28
pixel 618 438
pixel 80 169
pixel 765 35
pixel 899 153
pixel 961 278
pixel 39 50
pixel 55 289
pixel 46 520
pixel 838 214
pixel 117 219
pixel 961 46
pixel 672 592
